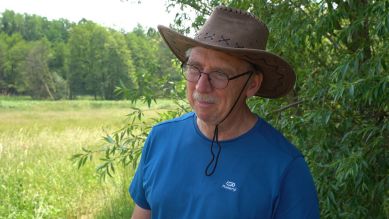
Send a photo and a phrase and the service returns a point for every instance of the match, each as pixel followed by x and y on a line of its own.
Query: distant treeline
pixel 60 59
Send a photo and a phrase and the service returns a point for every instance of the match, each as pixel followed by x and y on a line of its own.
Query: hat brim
pixel 278 75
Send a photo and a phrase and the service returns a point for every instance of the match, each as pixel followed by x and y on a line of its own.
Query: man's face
pixel 210 104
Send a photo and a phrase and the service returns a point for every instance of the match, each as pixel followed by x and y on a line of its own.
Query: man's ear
pixel 254 84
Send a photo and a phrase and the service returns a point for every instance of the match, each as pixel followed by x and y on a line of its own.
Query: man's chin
pixel 206 118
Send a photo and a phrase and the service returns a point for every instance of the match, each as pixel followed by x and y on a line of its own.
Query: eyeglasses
pixel 217 79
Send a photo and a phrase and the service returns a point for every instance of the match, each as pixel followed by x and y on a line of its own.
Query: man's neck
pixel 236 124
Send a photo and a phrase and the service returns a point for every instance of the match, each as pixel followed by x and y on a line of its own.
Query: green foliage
pixel 11 63
pixel 99 60
pixel 79 59
pixel 338 112
pixel 339 108
pixel 123 147
pixel 33 27
pixel 41 83
pixel 153 66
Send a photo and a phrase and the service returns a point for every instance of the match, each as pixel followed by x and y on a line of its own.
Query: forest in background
pixel 54 59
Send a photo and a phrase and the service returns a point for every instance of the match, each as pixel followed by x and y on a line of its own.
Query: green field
pixel 37 140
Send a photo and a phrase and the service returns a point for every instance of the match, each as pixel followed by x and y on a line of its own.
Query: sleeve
pixel 297 195
pixel 137 190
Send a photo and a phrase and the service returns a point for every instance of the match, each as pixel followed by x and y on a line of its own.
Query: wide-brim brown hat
pixel 240 34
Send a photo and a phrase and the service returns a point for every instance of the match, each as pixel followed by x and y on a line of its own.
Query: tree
pixel 11 63
pixel 154 70
pixel 120 66
pixel 42 83
pixel 79 38
pixel 96 67
pixel 99 60
pixel 18 34
pixel 57 30
pixel 89 58
pixel 33 27
pixel 59 58
pixel 143 54
pixel 11 22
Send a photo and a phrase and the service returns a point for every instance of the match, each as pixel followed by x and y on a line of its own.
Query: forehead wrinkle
pixel 221 63
pixel 217 68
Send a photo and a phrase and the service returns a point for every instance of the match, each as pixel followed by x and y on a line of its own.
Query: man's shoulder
pixel 170 129
pixel 182 120
pixel 277 140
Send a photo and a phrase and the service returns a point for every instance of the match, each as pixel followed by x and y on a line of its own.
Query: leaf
pixel 327 117
pixel 109 139
pixel 351 90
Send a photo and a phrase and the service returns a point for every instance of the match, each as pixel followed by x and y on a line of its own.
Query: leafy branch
pixel 124 146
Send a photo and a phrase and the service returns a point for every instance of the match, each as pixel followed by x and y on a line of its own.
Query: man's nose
pixel 204 83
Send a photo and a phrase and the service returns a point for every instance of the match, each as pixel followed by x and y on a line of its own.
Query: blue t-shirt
pixel 259 175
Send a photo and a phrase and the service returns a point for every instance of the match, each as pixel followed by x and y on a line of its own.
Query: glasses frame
pixel 185 65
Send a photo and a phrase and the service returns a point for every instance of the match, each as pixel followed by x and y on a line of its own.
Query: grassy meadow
pixel 37 177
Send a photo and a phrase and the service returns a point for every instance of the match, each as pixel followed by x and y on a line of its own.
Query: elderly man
pixel 222 160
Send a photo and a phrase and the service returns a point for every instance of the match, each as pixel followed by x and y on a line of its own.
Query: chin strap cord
pixel 216 136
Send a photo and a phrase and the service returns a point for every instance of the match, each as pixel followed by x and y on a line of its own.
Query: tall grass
pixel 37 179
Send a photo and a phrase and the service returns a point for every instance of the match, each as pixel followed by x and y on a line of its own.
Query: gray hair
pixel 187 53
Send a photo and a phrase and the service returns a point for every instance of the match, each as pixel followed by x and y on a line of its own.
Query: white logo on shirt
pixel 229 185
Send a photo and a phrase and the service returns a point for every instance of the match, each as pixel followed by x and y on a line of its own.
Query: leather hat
pixel 240 34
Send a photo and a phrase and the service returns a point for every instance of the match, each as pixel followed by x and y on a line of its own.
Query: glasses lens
pixel 191 73
pixel 218 79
